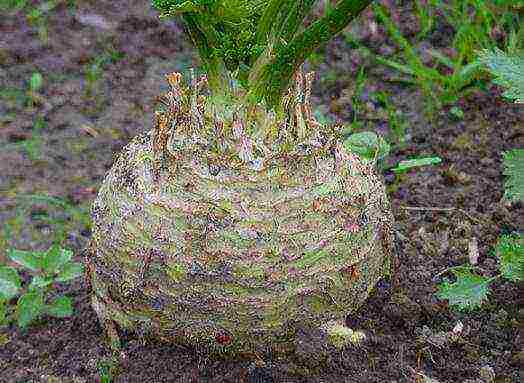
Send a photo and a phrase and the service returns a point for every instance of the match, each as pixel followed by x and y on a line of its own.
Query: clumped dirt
pixel 87 118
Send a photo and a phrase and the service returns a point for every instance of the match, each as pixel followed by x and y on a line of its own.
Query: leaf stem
pixel 273 79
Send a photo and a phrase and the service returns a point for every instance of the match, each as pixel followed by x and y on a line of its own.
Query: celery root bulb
pixel 227 230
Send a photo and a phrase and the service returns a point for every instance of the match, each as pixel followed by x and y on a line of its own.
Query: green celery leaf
pixel 510 250
pixel 31 260
pixel 70 271
pixel 467 292
pixel 54 258
pixel 10 283
pixel 61 307
pixel 29 307
pixel 407 164
pixel 367 145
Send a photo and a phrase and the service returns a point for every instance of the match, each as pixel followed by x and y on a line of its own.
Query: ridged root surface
pixel 231 253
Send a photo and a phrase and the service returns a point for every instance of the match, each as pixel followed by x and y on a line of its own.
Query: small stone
pixel 487 374
pixel 94 20
pixel 259 374
pixel 214 169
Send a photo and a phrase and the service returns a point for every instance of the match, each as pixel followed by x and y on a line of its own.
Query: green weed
pixel 33 300
pixel 514 170
pixel 453 76
pixel 35 84
pixel 60 222
pixel 33 145
pixel 37 16
pixel 13 97
pixel 18 98
pixel 426 17
pixel 60 215
pixel 93 73
pixel 321 117
pixel 356 99
pixel 396 120
pixel 470 290
pixel 372 147
pixel 108 369
pixel 12 4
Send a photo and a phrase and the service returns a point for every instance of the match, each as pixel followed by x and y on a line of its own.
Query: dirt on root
pixel 103 63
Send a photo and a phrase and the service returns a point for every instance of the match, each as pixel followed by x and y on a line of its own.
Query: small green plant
pixel 59 215
pixel 470 290
pixel 356 98
pixel 371 146
pixel 71 5
pixel 457 113
pixel 405 165
pixel 93 72
pixel 514 170
pixel 15 98
pixel 508 72
pixel 426 17
pixel 37 16
pixel 32 145
pixel 368 145
pixel 459 74
pixel 396 120
pixel 35 84
pixel 440 88
pixel 108 369
pixel 12 4
pixel 33 300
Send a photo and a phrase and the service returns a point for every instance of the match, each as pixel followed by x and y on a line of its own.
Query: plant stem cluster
pixel 261 44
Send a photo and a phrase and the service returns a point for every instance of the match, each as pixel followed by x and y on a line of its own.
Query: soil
pixel 86 116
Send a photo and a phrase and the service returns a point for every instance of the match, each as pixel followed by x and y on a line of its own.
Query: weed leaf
pixel 29 307
pixel 36 81
pixel 367 145
pixel 54 258
pixel 61 307
pixel 514 170
pixel 508 71
pixel 441 58
pixel 407 164
pixel 467 292
pixel 39 282
pixel 70 271
pixel 510 250
pixel 468 72
pixel 31 260
pixel 10 283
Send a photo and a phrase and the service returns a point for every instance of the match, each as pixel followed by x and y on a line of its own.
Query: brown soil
pixel 86 123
